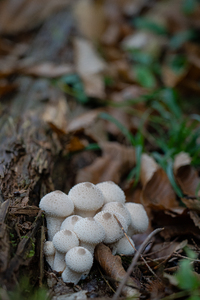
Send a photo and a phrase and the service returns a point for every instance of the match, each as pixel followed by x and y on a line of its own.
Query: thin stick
pixel 134 261
pixel 144 260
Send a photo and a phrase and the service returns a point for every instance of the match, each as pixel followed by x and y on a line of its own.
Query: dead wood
pixel 29 149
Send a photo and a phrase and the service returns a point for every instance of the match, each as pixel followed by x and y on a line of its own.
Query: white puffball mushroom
pixel 87 199
pixel 69 222
pixel 49 252
pixel 111 226
pixel 90 233
pixel 57 206
pixel 125 246
pixel 139 218
pixel 63 241
pixel 78 262
pixel 112 192
pixel 117 207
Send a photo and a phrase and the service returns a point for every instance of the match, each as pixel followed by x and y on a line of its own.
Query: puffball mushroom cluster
pixel 88 215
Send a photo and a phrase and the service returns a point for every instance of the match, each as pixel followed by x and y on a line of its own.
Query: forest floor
pixel 94 91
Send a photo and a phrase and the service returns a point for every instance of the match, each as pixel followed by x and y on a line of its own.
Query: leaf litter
pixel 96 91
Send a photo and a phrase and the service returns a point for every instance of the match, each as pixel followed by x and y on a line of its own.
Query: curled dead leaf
pixel 193 204
pixel 157 191
pixel 112 266
pixel 186 176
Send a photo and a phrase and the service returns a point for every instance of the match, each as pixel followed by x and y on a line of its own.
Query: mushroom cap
pixel 124 246
pixel 57 204
pixel 111 226
pixel 49 248
pixel 89 231
pixel 117 207
pixel 139 218
pixel 64 240
pixel 86 196
pixel 69 222
pixel 112 192
pixel 79 259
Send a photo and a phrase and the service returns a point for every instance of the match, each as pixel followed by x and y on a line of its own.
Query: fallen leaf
pixel 89 64
pixel 157 191
pixel 186 175
pixel 195 218
pixel 179 225
pixel 116 161
pixel 113 268
pixel 193 204
pixel 56 113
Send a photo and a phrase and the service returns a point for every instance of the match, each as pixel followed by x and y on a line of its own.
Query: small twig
pixel 42 239
pixel 106 281
pixel 134 261
pixel 144 260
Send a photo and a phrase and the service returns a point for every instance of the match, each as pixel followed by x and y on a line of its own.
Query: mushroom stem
pixel 71 276
pixel 53 225
pixel 59 261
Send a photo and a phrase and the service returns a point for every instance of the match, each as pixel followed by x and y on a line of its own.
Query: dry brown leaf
pixel 47 69
pixel 175 226
pixel 113 268
pixel 195 218
pixel 193 204
pixel 23 15
pixel 186 176
pixel 89 64
pixel 56 113
pixel 160 250
pixel 75 144
pixel 157 191
pixel 172 78
pixel 116 161
pixel 90 124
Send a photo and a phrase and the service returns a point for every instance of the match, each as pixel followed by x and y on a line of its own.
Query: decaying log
pixel 29 149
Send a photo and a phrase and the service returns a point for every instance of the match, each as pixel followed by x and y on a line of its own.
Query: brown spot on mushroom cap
pixel 88 184
pixel 79 259
pixel 107 216
pixel 81 251
pixel 58 192
pixel 90 219
pixel 113 231
pixel 68 232
pixel 117 207
pixel 74 219
pixel 64 240
pixel 69 222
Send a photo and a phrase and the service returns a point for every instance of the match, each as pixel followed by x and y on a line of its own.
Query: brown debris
pixel 116 161
pixel 157 191
pixel 112 266
pixel 186 176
